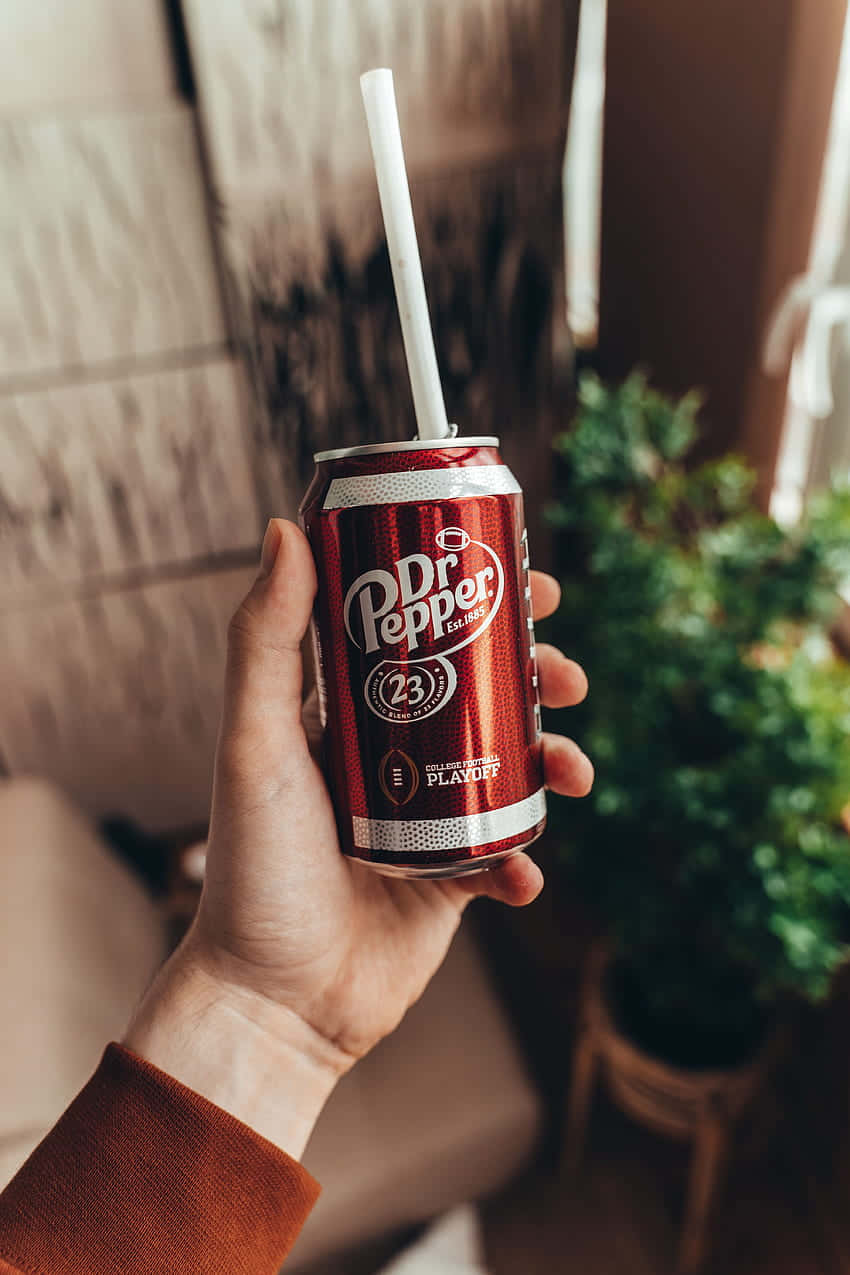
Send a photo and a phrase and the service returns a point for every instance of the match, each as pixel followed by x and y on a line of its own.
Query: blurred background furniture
pixel 442 1112
pixel 451 1246
pixel 81 941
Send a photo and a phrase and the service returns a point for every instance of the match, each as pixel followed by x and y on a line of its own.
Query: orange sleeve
pixel 145 1176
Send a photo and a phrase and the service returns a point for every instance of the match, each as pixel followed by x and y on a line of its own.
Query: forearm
pixel 254 1059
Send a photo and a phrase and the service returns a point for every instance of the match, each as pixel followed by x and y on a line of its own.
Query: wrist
pixel 257 1060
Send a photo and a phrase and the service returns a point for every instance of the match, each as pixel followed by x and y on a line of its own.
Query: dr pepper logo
pixel 426 604
pixel 418 612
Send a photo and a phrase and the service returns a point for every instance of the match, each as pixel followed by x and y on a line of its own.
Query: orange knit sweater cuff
pixel 143 1176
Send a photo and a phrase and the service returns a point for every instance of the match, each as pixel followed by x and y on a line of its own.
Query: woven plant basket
pixel 700 1106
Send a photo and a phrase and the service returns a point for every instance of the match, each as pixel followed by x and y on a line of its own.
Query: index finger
pixel 545 594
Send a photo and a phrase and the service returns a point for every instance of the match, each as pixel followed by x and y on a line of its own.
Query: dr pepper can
pixel 425 658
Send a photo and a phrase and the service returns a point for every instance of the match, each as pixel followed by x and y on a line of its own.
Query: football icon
pixel 452 538
pixel 398 776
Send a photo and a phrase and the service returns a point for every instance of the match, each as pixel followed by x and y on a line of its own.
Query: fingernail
pixel 271 545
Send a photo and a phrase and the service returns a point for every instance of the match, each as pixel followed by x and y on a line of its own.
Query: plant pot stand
pixel 697 1106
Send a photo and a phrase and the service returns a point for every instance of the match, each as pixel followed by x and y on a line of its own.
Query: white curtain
pixel 811 328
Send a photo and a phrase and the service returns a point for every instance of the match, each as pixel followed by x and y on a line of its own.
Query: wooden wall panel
pixel 102 478
pixel 280 94
pixel 105 243
pixel 483 88
pixel 117 697
pixel 126 500
pixel 57 54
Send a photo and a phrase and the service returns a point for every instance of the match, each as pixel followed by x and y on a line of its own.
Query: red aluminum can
pixel 425 657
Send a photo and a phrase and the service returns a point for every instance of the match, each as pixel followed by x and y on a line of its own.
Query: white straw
pixel 385 136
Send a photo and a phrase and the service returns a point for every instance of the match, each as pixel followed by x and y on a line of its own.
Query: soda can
pixel 425 658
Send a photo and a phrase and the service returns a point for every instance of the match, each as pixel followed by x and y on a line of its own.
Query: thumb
pixel 261 718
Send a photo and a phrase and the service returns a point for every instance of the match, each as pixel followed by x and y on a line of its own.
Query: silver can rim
pixel 416 445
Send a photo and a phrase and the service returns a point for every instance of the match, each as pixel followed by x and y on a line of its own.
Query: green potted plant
pixel 711 849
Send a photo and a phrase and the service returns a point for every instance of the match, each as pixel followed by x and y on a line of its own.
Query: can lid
pixel 417 445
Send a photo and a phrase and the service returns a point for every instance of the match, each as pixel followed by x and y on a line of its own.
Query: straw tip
pixel 378 77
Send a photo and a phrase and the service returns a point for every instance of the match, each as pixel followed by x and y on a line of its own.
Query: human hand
pixel 315 955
